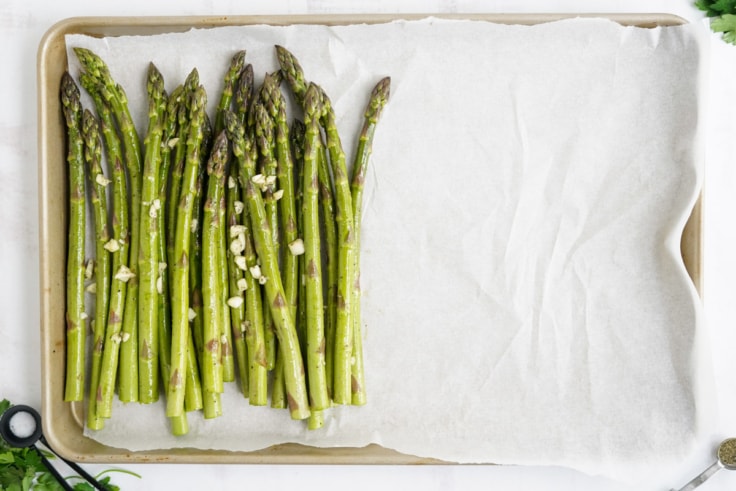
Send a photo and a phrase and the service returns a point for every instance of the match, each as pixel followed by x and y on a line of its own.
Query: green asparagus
pixel 148 258
pixel 315 344
pixel 211 285
pixel 76 326
pixel 341 390
pixel 379 98
pixel 180 260
pixel 97 185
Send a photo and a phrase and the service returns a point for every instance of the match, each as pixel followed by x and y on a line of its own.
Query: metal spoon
pixel 726 460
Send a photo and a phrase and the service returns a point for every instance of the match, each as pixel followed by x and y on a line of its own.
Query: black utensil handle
pixel 77 468
pixel 52 470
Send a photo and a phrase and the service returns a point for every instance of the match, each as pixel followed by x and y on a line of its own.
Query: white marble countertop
pixel 23 23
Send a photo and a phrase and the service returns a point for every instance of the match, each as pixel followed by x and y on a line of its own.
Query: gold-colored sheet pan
pixel 63 422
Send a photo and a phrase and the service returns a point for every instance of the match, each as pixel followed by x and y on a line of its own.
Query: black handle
pixel 52 470
pixel 77 468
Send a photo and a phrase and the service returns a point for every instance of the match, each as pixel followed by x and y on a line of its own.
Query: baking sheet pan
pixel 63 422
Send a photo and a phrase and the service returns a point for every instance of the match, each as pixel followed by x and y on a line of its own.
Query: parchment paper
pixel 524 300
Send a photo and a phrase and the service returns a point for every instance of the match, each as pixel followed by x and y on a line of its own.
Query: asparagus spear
pixel 195 258
pixel 265 145
pixel 180 285
pixel 274 103
pixel 342 392
pixel 211 285
pixel 168 141
pixel 194 399
pixel 236 281
pixel 227 362
pixel 265 139
pixel 231 79
pixel 292 71
pixel 211 400
pixel 179 424
pixel 148 258
pixel 193 396
pixel 379 98
pixel 269 275
pixel 244 93
pixel 98 182
pixel 115 96
pixel 118 246
pixel 254 322
pixel 75 316
pixel 297 136
pixel 237 64
pixel 276 107
pixel 177 165
pixel 312 257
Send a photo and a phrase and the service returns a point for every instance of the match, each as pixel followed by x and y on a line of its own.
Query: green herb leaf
pixel 4 406
pixel 727 25
pixel 724 6
pixel 714 8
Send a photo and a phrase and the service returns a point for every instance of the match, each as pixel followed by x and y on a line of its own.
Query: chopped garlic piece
pixel 236 230
pixel 125 336
pixel 242 284
pixel 124 274
pixel 192 314
pixel 255 271
pixel 296 247
pixel 258 179
pixel 240 262
pixel 270 180
pixel 112 245
pixel 91 288
pixel 239 207
pixel 235 302
pixel 83 315
pixel 160 285
pixel 195 224
pixel 172 142
pixel 262 280
pixel 89 269
pixel 230 182
pixel 102 180
pixel 237 246
pixel 155 206
pixel 115 338
pixel 277 195
pixel 162 267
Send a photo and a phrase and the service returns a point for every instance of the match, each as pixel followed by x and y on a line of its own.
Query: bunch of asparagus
pixel 226 249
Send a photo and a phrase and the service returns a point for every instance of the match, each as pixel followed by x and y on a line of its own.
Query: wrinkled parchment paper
pixel 524 300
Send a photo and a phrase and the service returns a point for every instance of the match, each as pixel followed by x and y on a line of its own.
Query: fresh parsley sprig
pixel 724 17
